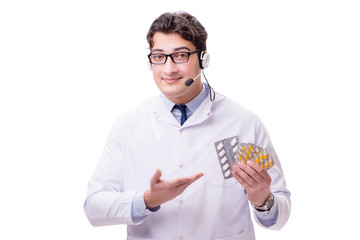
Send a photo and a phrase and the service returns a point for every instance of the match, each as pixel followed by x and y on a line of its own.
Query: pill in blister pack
pixel 226 150
pixel 249 152
pixel 230 151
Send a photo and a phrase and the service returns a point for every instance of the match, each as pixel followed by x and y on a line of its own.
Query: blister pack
pixel 230 151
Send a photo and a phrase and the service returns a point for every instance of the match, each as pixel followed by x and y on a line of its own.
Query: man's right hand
pixel 162 190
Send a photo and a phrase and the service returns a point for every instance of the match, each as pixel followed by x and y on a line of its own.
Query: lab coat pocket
pixel 212 170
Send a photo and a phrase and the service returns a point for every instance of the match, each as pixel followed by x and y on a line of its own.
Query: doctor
pixel 159 172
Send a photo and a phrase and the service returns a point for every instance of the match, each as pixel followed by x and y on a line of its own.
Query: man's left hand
pixel 255 180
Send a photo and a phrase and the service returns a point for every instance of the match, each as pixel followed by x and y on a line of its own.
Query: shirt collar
pixel 191 105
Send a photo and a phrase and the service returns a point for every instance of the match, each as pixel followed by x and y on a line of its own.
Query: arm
pixel 107 203
pixel 258 184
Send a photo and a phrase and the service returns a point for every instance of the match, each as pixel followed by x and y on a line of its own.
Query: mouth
pixel 171 80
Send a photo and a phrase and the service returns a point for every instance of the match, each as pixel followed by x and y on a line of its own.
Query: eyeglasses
pixel 176 57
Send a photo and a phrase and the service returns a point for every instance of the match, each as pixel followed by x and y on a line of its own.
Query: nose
pixel 170 67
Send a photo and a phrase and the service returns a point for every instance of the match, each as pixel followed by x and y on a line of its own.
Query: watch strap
pixel 267 205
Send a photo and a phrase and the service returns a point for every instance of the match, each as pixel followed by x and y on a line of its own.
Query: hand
pixel 255 180
pixel 162 190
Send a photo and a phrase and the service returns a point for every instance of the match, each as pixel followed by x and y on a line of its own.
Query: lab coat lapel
pixel 201 114
pixel 162 114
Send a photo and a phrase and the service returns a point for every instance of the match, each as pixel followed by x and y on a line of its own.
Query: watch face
pixel 268 204
pixel 270 201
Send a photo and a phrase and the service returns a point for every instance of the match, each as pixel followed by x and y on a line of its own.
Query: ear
pixel 204 60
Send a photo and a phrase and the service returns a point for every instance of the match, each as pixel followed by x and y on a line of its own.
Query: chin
pixel 175 93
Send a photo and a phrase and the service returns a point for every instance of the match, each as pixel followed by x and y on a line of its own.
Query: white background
pixel 69 68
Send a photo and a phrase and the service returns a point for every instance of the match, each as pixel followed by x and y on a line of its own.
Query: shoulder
pixel 137 113
pixel 226 107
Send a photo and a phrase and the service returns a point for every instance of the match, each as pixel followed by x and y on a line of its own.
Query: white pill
pixel 235 149
pixel 226 166
pixel 223 160
pixel 222 153
pixel 227 173
pixel 220 146
pixel 234 142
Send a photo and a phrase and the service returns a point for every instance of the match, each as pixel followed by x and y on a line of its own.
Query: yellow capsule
pixel 250 147
pixel 267 166
pixel 266 156
pixel 248 153
pixel 244 161
pixel 257 160
pixel 246 158
pixel 261 157
pixel 271 163
pixel 262 165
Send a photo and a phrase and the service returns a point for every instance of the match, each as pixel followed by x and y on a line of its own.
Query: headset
pixel 204 59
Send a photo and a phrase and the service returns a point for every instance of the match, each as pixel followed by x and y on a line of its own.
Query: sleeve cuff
pixel 138 209
pixel 267 218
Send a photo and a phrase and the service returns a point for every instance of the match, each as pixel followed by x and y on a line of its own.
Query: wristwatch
pixel 267 205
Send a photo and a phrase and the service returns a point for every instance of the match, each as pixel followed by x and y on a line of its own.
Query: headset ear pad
pixel 204 59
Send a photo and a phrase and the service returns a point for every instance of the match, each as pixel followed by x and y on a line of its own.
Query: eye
pixel 157 57
pixel 180 56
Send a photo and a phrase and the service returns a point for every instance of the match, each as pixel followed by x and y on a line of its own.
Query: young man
pixel 160 173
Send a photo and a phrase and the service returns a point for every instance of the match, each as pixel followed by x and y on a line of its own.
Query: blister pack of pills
pixel 230 151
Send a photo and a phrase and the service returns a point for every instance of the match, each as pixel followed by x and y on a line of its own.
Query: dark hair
pixel 182 23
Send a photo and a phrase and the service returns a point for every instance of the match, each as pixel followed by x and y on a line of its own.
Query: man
pixel 159 172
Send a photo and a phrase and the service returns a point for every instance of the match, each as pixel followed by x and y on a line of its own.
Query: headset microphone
pixel 190 80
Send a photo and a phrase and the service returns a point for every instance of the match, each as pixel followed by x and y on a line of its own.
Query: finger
pixel 251 172
pixel 155 178
pixel 244 179
pixel 181 188
pixel 181 181
pixel 243 183
pixel 261 171
pixel 198 175
pixel 185 180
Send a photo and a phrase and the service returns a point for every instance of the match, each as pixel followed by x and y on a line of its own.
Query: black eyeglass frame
pixel 171 56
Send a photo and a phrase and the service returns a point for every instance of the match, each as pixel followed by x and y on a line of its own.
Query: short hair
pixel 182 23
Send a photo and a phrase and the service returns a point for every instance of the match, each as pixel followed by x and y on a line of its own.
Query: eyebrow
pixel 175 49
pixel 181 48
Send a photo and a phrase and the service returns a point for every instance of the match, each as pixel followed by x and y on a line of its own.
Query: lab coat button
pixel 181 166
pixel 180 131
pixel 181 238
pixel 181 202
pixel 209 114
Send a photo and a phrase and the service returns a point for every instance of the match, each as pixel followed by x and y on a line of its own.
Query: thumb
pixel 156 177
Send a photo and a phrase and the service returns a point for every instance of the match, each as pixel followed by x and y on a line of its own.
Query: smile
pixel 171 80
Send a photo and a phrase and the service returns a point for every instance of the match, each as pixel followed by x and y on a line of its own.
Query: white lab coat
pixel 149 137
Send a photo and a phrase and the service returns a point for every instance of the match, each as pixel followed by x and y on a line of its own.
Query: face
pixel 170 77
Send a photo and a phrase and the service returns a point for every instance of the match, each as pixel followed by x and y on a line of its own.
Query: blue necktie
pixel 182 109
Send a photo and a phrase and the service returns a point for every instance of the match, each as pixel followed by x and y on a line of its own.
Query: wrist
pixel 267 205
pixel 149 203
